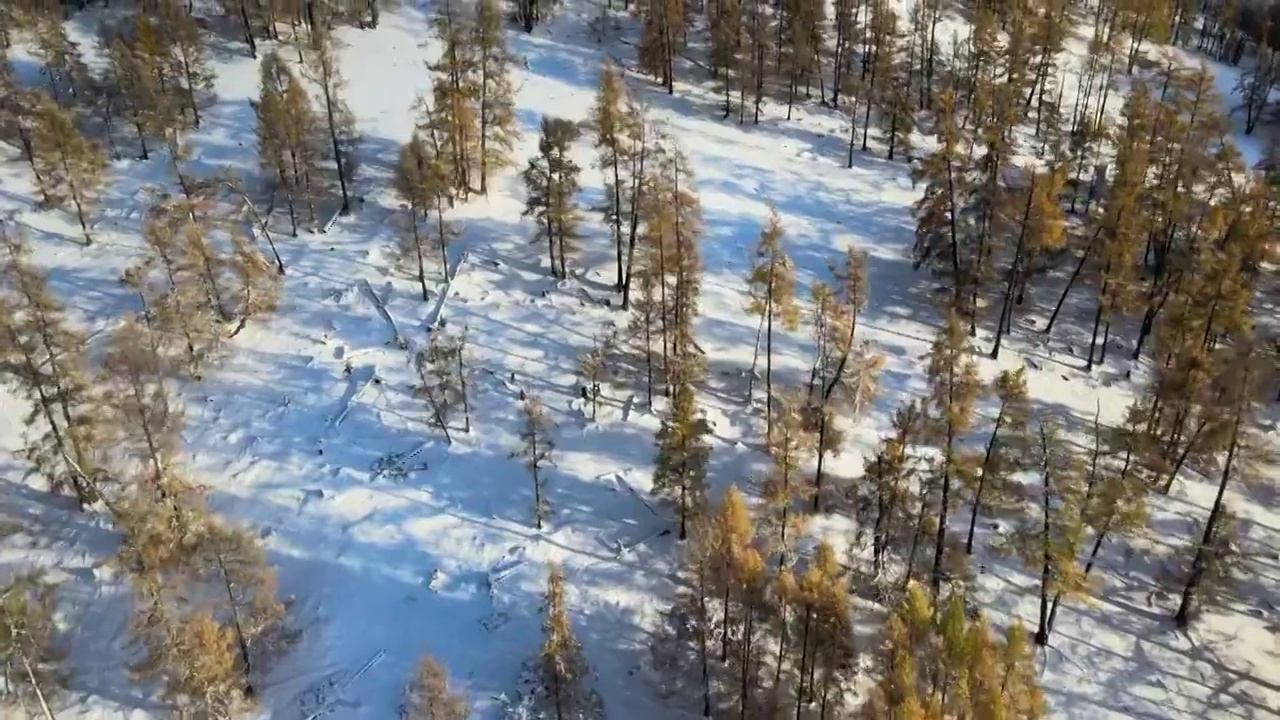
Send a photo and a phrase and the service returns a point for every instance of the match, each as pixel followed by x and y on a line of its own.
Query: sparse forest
pixel 639 358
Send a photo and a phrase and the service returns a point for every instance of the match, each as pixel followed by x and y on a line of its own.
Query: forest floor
pixel 391 544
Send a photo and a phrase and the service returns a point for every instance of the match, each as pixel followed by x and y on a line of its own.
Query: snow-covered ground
pixel 391 544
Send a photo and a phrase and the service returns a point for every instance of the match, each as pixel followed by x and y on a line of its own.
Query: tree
pixel 1008 443
pixel 421 181
pixel 789 449
pixel 726 44
pixel 70 165
pixel 937 243
pixel 455 90
pixel 595 367
pixel 16 120
pixel 322 66
pixel 611 126
pixel 496 112
pixel 954 388
pixel 551 180
pixel 287 126
pixel 890 474
pixel 64 68
pixel 27 643
pixel 429 697
pixel 187 53
pixel 148 422
pixel 47 359
pixel 844 373
pixel 730 535
pixel 938 663
pixel 442 381
pixel 771 288
pixel 828 659
pixel 1042 230
pixel 661 40
pixel 1211 557
pixel 562 667
pixel 207 612
pixel 536 451
pixel 683 451
pixel 1050 540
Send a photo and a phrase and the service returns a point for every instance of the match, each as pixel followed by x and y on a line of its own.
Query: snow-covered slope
pixel 392 544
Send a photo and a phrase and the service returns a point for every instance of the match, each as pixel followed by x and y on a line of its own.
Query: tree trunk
pixel 982 481
pixel 1200 563
pixel 1048 328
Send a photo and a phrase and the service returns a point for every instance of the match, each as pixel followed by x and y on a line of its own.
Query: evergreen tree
pixel 28 653
pixel 562 667
pixel 551 180
pixel 429 697
pixel 536 451
pixel 890 474
pixel 70 165
pixel 496 102
pixel 771 288
pixel 954 388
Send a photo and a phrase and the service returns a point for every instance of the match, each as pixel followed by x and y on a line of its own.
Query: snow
pixel 391 544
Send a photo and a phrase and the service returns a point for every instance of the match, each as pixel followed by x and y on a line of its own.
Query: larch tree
pixel 65 70
pixel 323 68
pixel 726 40
pixel 1041 231
pixel 455 91
pixel 1007 444
pixel 638 140
pixel 563 687
pixel 1238 407
pixel 438 382
pixel 610 127
pixel 595 367
pixel 551 179
pixel 46 357
pixel 936 662
pixel 429 696
pixel 1049 540
pixel 537 446
pixel 937 243
pixel 890 475
pixel 149 422
pixel 954 388
pixel 757 27
pixel 771 287
pixel 828 659
pixel 187 53
pixel 731 535
pixel 789 449
pixel 32 663
pixel 71 166
pixel 422 182
pixel 496 96
pixel 844 374
pixel 661 40
pixel 16 105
